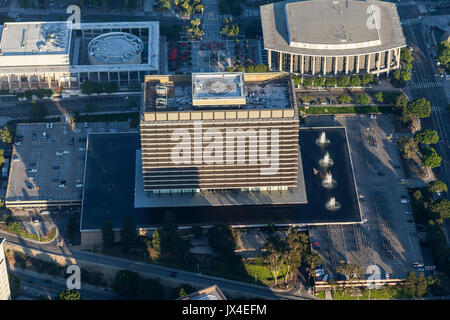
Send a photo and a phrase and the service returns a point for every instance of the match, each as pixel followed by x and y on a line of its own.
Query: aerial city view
pixel 224 150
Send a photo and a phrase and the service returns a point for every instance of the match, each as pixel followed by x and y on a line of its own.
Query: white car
pixel 59 153
pixel 82 149
pixel 66 151
pixel 387 276
pixel 15 158
pixel 79 185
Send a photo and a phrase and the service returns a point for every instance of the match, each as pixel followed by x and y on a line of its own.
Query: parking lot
pixel 48 163
pixel 388 237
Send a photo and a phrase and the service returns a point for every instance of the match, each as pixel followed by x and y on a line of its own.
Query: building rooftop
pixel 210 293
pixel 226 87
pixel 23 38
pixel 214 91
pixel 109 191
pixel 325 27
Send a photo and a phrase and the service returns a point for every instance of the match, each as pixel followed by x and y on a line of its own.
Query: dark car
pixel 56 167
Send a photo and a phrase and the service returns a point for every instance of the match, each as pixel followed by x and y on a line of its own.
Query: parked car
pixel 15 158
pixel 407 211
pixel 59 153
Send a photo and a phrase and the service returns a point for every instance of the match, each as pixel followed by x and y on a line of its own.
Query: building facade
pixel 5 292
pixel 62 55
pixel 245 137
pixel 323 37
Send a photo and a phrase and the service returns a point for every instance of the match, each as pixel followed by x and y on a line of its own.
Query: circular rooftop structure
pixel 115 48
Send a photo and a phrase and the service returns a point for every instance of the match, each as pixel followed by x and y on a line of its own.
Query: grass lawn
pixel 262 273
pixel 389 292
pixel 320 294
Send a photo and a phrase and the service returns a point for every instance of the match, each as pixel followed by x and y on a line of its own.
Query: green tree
pixel 343 81
pixel 126 283
pixel 296 246
pixel 444 55
pixel 427 136
pixel 307 82
pixel 400 101
pixel 110 87
pixel 366 78
pixel 430 158
pixel 330 82
pixel 420 108
pixel 229 28
pixel 163 5
pixel 6 135
pixel 441 207
pixel 90 87
pixel 380 97
pixel 182 291
pixel 107 234
pixel 408 148
pixel 343 99
pixel 437 186
pixel 197 231
pixel 355 81
pixel 410 284
pixel 417 195
pixel 312 261
pixel 149 289
pixel 68 294
pixel 156 243
pixel 221 239
pixel 193 30
pixel 274 257
pixel 363 99
pixel 405 55
pixel 128 233
pixel 319 82
pixel 14 285
pixel 421 285
pixel 2 157
pixel 260 67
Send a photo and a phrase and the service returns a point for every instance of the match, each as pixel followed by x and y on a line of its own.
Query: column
pixel 291 62
pixel 118 78
pixel 368 63
pixel 388 64
pixel 335 65
pixel 324 65
pixel 109 77
pixel 379 64
pixel 280 62
pixel 269 59
pixel 313 65
pixel 346 64
pixel 129 78
pixel 302 64
pixel 357 64
pixel 98 77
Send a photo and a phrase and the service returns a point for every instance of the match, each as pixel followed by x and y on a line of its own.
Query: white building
pixel 5 292
pixel 56 55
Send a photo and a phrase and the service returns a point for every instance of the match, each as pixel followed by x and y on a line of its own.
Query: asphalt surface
pixel 11 107
pixel 424 83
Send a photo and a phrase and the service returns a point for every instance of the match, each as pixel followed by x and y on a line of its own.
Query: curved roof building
pixel 332 36
pixel 115 48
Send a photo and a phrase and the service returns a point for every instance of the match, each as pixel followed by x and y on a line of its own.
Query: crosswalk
pixel 424 85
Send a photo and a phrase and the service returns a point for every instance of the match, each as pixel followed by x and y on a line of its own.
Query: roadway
pixel 11 107
pixel 425 82
pixel 154 271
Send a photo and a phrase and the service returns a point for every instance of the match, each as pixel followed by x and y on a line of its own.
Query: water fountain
pixel 326 161
pixel 332 204
pixel 328 182
pixel 323 140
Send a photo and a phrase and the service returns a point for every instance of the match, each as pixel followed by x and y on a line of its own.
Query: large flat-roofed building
pixel 53 55
pixel 329 37
pixel 5 292
pixel 219 131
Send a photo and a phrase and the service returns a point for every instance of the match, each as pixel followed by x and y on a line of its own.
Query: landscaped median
pixel 14 227
pixel 347 110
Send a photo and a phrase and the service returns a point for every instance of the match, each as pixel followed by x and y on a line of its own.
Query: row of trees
pixel 39 93
pixel 331 82
pixel 193 30
pixel 431 212
pixel 229 28
pixel 444 55
pixel 251 68
pixel 403 74
pixel 90 87
pixel 290 254
pixel 183 7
